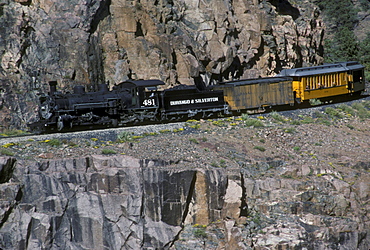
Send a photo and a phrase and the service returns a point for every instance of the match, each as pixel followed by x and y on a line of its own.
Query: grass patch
pixel 12 132
pixel 362 111
pixel 219 123
pixel 277 117
pixel 7 152
pixel 347 109
pixel 192 124
pixel 307 120
pixel 254 123
pixel 245 116
pixel 221 164
pixel 319 114
pixel 176 130
pixel 164 131
pixel 150 134
pixel 54 142
pixel 323 121
pixel 296 122
pixel 10 144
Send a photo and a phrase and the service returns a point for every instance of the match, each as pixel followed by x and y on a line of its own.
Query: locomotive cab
pixel 143 102
pixel 143 93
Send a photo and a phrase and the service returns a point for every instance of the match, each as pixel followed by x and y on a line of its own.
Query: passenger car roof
pixel 322 69
pixel 253 81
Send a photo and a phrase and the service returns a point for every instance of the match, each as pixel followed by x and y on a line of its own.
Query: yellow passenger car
pixel 257 93
pixel 326 80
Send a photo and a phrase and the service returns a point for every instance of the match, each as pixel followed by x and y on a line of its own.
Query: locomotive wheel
pixel 60 123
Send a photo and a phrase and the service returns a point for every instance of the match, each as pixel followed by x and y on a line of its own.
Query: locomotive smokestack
pixel 53 87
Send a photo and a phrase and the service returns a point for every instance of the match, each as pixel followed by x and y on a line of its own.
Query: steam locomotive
pixel 130 102
pixel 136 102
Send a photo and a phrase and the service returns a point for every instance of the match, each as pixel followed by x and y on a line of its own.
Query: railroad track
pixel 101 134
pixel 112 133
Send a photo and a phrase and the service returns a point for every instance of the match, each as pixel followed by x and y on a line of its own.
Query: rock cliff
pixel 102 202
pixel 176 41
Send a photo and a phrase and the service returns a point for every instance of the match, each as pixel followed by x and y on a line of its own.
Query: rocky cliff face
pixel 176 41
pixel 120 202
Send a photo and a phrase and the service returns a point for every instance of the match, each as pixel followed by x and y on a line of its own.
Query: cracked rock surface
pixel 299 181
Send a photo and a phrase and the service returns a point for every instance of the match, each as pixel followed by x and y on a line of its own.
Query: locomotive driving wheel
pixel 60 124
pixel 63 121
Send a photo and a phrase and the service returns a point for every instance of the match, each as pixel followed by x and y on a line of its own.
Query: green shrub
pixel 333 113
pixel 319 114
pixel 290 130
pixel 107 151
pixel 277 117
pixel 315 102
pixel 193 140
pixel 124 136
pixel 296 148
pixel 200 233
pixel 214 164
pixel 350 126
pixel 260 148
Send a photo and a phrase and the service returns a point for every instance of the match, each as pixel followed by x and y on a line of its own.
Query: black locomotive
pixel 138 102
pixel 130 102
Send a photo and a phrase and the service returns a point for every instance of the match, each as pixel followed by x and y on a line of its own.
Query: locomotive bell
pixel 103 87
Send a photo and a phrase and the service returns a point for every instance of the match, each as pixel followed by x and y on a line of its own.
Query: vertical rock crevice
pixel 189 197
pixel 7 166
pixel 243 203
